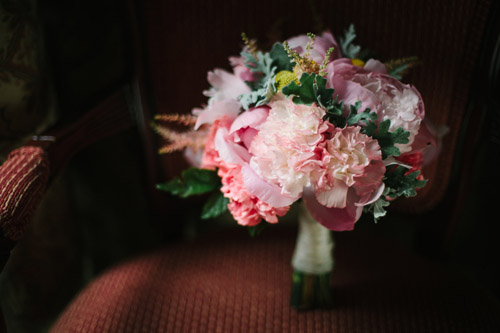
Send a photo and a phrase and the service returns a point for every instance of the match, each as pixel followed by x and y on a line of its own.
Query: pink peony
pixel 226 148
pixel 391 99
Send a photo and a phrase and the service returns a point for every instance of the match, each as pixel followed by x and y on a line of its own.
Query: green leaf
pixel 397 71
pixel 349 49
pixel 255 230
pixel 303 93
pixel 379 208
pixel 194 181
pixel 280 58
pixel 324 95
pixel 386 139
pixel 397 68
pixel 215 205
pixel 399 183
pixel 362 118
pixel 260 63
pixel 334 114
pixel 312 89
pixel 258 97
pixel 370 129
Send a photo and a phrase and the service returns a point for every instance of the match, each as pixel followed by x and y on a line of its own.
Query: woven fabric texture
pixel 23 179
pixel 231 283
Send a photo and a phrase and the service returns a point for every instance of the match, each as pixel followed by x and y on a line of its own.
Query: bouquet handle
pixel 312 264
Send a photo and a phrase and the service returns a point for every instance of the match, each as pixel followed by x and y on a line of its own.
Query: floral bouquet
pixel 310 120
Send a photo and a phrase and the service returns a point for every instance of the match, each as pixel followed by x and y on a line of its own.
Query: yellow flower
pixel 358 62
pixel 284 78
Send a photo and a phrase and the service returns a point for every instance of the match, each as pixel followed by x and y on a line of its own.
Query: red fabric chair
pixel 30 170
pixel 231 283
pixel 228 282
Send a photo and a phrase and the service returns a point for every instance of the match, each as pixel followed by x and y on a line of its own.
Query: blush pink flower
pixel 285 150
pixel 225 86
pixel 210 158
pixel 391 99
pixel 241 70
pixel 351 161
pixel 350 178
pixel 226 149
pixel 246 208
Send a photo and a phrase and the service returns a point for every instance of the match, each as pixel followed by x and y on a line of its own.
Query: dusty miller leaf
pixel 349 49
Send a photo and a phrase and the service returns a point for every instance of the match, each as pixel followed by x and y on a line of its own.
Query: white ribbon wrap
pixel 314 247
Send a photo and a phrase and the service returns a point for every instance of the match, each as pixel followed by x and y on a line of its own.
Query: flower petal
pixel 335 197
pixel 251 118
pixel 372 197
pixel 230 152
pixel 225 108
pixel 269 193
pixel 337 219
pixel 376 66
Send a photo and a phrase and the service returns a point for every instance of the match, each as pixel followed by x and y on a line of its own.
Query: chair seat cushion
pixel 230 282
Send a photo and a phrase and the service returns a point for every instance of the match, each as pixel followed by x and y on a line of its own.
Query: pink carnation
pixel 285 151
pixel 351 161
pixel 246 208
pixel 350 178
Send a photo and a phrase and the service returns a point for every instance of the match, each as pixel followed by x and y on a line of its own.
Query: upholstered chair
pixel 396 276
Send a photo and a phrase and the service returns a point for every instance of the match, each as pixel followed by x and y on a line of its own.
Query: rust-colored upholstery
pixel 233 283
pixel 23 179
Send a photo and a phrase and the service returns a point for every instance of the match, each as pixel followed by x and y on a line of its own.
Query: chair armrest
pixel 23 180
